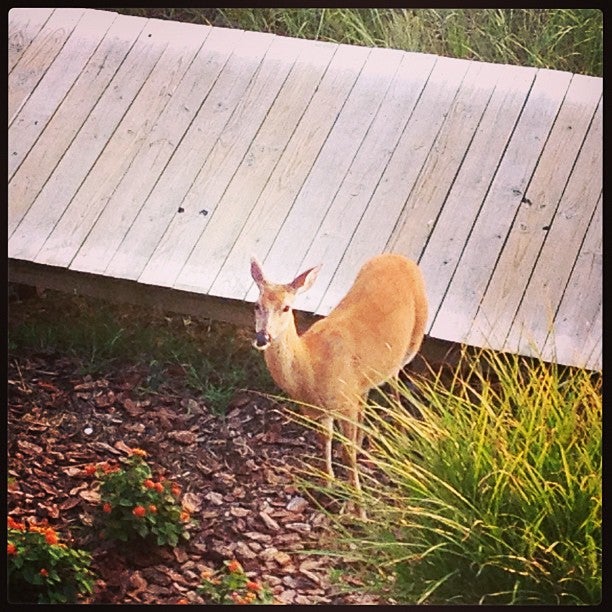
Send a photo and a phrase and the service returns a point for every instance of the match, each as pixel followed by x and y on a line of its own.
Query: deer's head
pixel 274 308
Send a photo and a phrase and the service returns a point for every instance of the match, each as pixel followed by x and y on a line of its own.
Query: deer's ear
pixel 257 272
pixel 305 280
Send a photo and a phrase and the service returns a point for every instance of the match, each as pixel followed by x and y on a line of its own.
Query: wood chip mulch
pixel 235 473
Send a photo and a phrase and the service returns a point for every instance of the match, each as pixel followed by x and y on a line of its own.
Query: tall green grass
pixel 493 497
pixel 562 39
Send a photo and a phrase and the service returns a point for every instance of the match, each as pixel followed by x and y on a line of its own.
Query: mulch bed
pixel 236 474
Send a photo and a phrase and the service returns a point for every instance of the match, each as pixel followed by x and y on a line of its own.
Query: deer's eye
pixel 286 308
pixel 257 307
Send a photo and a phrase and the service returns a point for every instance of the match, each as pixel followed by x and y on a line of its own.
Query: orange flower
pixel 253 586
pixel 159 487
pixel 44 573
pixel 148 484
pixel 107 508
pixel 152 508
pixel 13 524
pixel 90 469
pixel 110 469
pixel 51 536
pixel 139 511
pixel 138 452
pixel 175 490
pixel 11 549
pixel 185 516
pixel 183 601
pixel 234 566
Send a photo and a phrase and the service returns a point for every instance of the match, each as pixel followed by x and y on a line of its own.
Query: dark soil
pixel 236 474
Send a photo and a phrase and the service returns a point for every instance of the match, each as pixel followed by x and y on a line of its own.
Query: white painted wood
pixel 300 226
pixel 577 331
pixel 66 122
pixel 75 165
pixel 539 303
pixel 23 26
pixel 180 68
pixel 403 169
pixel 222 162
pixel 364 174
pixel 279 193
pixel 256 168
pixel 536 212
pixel 482 249
pixel 38 57
pixel 250 171
pixel 469 188
pixel 57 81
pixel 221 88
pixel 111 181
pixel 426 198
pixel 594 340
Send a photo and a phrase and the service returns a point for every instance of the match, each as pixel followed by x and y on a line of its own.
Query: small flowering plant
pixel 42 569
pixel 134 505
pixel 232 586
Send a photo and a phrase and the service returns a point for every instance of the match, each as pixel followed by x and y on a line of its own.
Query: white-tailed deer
pixel 368 338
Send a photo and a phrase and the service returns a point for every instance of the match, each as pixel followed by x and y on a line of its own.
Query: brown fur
pixel 374 331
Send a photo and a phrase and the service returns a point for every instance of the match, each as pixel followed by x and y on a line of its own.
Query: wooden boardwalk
pixel 164 154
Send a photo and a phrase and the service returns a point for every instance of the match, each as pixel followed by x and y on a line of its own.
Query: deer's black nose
pixel 262 339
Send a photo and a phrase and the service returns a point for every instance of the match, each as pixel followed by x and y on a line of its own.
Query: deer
pixel 366 340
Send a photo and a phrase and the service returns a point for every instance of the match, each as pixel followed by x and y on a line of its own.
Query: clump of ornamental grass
pixel 42 568
pixel 136 506
pixel 492 496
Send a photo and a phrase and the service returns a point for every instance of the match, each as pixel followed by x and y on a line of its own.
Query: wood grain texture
pixel 220 88
pixel 536 212
pixel 42 159
pixel 577 333
pixel 462 203
pixel 59 78
pixel 535 315
pixel 434 98
pixel 75 165
pixel 38 56
pixel 275 201
pixel 23 26
pixel 502 200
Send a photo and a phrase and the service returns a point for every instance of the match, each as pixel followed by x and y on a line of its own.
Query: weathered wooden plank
pixel 227 216
pixel 23 26
pixel 536 212
pixel 593 344
pixel 468 191
pixel 75 165
pixel 539 303
pixel 275 201
pixel 434 94
pixel 224 159
pixel 482 249
pixel 364 174
pixel 262 157
pixel 181 70
pixel 57 81
pixel 577 328
pixel 333 162
pixel 444 160
pixel 38 57
pixel 62 128
pixel 230 54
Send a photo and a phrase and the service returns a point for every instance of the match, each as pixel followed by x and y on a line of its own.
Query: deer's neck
pixel 287 361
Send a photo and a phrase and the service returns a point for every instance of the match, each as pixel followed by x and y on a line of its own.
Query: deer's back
pixel 366 338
